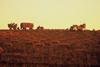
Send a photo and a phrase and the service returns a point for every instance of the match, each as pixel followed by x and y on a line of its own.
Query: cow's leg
pixel 10 28
pixel 24 28
pixel 14 28
pixel 31 28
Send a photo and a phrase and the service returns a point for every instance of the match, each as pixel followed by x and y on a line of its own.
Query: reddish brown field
pixel 49 48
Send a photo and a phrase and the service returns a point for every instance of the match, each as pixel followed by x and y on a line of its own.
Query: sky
pixel 51 14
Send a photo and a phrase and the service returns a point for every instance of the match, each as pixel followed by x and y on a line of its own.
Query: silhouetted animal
pixel 39 27
pixel 18 28
pixel 14 26
pixel 79 28
pixel 26 25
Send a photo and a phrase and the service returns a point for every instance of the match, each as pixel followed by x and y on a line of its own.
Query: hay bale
pixel 2 35
pixel 2 32
pixel 9 34
pixel 7 45
pixel 29 43
pixel 63 41
pixel 39 45
pixel 55 42
pixel 86 41
pixel 80 50
pixel 49 39
pixel 27 40
pixel 47 44
pixel 43 40
pixel 36 41
pixel 74 44
pixel 8 38
pixel 16 34
pixel 23 39
pixel 15 41
pixel 12 54
pixel 63 45
pixel 98 37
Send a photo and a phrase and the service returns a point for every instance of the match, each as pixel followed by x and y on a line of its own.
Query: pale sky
pixel 51 14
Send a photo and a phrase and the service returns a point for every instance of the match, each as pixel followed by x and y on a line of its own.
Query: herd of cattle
pixel 23 26
pixel 31 25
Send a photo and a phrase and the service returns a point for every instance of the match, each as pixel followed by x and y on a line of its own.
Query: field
pixel 49 48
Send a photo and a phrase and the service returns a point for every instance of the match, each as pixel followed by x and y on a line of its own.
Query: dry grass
pixel 50 47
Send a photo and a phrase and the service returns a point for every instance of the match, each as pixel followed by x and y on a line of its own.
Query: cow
pixel 81 27
pixel 76 27
pixel 14 26
pixel 27 25
pixel 39 27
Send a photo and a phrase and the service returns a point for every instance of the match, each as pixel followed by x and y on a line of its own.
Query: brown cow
pixel 14 26
pixel 76 27
pixel 25 25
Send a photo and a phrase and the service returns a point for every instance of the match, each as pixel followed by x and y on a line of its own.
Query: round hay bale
pixel 39 45
pixel 74 44
pixel 7 45
pixel 43 40
pixel 98 37
pixel 86 42
pixel 1 49
pixel 29 43
pixel 2 35
pixel 63 45
pixel 55 42
pixel 15 41
pixel 36 41
pixel 47 44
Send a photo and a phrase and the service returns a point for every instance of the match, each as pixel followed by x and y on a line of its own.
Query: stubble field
pixel 49 48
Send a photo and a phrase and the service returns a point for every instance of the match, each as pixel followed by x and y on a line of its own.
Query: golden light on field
pixel 51 14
